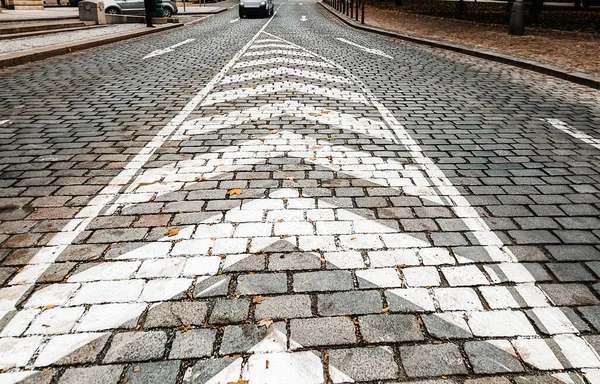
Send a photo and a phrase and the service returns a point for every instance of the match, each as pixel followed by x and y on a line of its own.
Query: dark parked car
pixel 256 7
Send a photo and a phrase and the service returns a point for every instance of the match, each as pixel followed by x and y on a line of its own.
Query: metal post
pixel 351 9
pixel 356 13
pixel 362 16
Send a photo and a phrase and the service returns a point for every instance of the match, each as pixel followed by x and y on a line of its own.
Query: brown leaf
pixel 232 192
pixel 45 325
pixel 257 299
pixel 240 381
pixel 386 310
pixel 136 368
pixel 272 131
pixel 265 323
pixel 252 86
pixel 48 307
pixel 125 380
pixel 172 232
pixel 267 364
pixel 184 328
pixel 437 341
pixel 149 183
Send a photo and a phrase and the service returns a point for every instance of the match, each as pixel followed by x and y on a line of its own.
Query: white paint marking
pixel 303 18
pixel 111 192
pixel 369 50
pixel 163 51
pixel 285 71
pixel 561 125
pixel 2 122
pixel 281 60
pixel 234 20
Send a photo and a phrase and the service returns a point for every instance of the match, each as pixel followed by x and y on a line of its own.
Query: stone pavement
pixel 296 209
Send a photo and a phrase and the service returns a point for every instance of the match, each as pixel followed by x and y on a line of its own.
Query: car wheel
pixel 112 11
pixel 167 11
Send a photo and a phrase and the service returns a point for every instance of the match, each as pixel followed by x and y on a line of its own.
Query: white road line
pixel 277 52
pixel 163 51
pixel 561 125
pixel 3 122
pixel 234 20
pixel 48 254
pixel 369 50
pixel 281 60
pixel 285 71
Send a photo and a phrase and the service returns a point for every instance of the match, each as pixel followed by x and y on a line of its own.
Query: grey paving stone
pixel 176 314
pixel 227 311
pixel 447 326
pixel 294 261
pixel 212 286
pixel 261 283
pixel 488 380
pixel 539 236
pixel 86 353
pixel 286 306
pixel 432 360
pixel 592 315
pixel 323 281
pixel 136 346
pixel 570 377
pixel 164 372
pixel 390 328
pixel 570 272
pixel 349 303
pixel 493 356
pixel 573 252
pixel 322 331
pixel 365 364
pixel 569 294
pixel 409 300
pixel 240 338
pixel 99 374
pixel 28 377
pixel 204 370
pixel 194 343
pixel 527 253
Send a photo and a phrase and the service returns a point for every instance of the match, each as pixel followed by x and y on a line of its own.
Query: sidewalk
pixel 559 53
pixel 49 13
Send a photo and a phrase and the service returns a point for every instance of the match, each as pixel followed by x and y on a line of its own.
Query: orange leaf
pixel 232 192
pixel 172 232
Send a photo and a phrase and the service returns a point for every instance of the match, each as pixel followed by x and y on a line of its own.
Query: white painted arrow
pixel 303 18
pixel 163 51
pixel 369 50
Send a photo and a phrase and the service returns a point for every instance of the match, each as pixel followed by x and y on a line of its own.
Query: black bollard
pixel 517 19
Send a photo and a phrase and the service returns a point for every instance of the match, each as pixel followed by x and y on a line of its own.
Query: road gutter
pixel 23 57
pixel 579 78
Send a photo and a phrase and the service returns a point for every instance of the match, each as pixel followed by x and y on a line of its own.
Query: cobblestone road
pixel 267 202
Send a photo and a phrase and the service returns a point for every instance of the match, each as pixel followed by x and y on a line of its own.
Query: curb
pixel 60 18
pixel 582 79
pixel 202 13
pixel 29 56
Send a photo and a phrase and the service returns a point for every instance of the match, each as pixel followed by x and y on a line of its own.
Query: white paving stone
pixel 421 276
pixel 192 247
pixel 111 316
pixel 400 257
pixel 55 294
pixel 380 277
pixel 464 276
pixel 202 265
pixel 520 296
pixel 116 270
pixel 537 353
pixel 19 323
pixel 499 324
pixel 165 289
pixel 170 267
pixel 55 321
pixel 457 299
pixel 16 352
pixel 577 352
pixel 108 292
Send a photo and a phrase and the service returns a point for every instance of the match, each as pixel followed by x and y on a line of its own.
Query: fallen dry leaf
pixel 386 310
pixel 232 192
pixel 267 364
pixel 136 368
pixel 273 131
pixel 240 381
pixel 172 232
pixel 257 299
pixel 48 307
pixel 265 323
pixel 253 86
pixel 184 328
